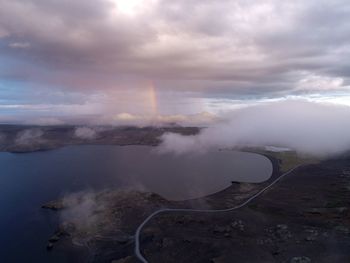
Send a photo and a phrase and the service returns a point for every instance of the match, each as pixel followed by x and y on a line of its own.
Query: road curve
pixel 138 253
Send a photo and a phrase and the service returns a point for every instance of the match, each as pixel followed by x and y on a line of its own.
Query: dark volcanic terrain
pixel 23 138
pixel 303 218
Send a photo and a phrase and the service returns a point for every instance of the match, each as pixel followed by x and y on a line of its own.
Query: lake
pixel 31 179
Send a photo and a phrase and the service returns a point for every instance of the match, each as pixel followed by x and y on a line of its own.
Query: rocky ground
pixel 103 223
pixel 304 218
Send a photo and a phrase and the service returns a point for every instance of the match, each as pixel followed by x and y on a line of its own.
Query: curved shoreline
pixel 276 172
pixel 137 250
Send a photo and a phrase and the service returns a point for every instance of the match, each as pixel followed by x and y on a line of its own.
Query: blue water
pixel 29 180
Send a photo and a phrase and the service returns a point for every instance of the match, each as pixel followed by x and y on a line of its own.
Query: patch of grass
pixel 289 159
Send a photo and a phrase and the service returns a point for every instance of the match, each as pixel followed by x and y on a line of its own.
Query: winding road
pixel 138 253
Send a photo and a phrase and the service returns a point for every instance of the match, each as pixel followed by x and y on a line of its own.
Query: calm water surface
pixel 29 180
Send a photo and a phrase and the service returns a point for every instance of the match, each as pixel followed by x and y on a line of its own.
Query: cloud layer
pixel 308 128
pixel 246 42
pixel 101 55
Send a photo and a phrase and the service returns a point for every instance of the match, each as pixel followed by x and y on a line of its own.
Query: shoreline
pixel 219 200
pixel 138 232
pixel 290 222
pixel 305 211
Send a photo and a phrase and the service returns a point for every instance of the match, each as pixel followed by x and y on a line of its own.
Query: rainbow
pixel 152 96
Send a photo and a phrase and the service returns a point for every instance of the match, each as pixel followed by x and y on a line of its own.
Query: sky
pixel 121 61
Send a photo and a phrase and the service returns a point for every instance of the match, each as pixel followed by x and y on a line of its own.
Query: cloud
pixel 44 121
pixel 318 83
pixel 250 47
pixel 19 45
pixel 120 119
pixel 83 209
pixel 309 128
pixel 85 133
pixel 98 57
pixel 199 119
pixel 29 137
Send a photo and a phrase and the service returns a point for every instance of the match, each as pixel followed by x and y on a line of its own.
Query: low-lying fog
pixel 308 128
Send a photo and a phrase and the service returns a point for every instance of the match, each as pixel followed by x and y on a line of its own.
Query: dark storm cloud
pixel 263 48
